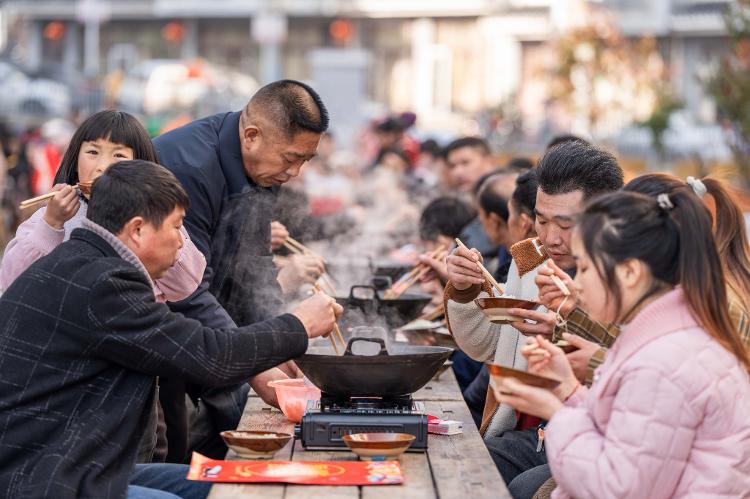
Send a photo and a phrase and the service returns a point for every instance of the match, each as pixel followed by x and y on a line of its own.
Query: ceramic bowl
pixel 378 446
pixel 255 444
pixel 496 309
pixel 497 372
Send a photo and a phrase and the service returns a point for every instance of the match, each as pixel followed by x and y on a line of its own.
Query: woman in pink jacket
pixel 668 412
pixel 102 139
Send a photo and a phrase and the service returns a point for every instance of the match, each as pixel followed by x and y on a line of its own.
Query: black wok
pixel 402 371
pixel 371 303
pixel 390 268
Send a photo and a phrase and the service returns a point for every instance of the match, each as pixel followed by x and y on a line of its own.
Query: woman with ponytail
pixel 729 233
pixel 667 413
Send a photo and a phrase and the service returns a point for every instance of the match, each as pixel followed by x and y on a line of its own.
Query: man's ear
pixel 527 223
pixel 131 232
pixel 497 222
pixel 250 133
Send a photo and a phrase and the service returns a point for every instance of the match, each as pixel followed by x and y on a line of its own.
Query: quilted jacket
pixel 668 415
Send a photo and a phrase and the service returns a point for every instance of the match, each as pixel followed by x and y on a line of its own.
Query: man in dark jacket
pixel 82 341
pixel 231 165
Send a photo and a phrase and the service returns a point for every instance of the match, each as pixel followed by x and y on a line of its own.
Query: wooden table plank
pixel 461 465
pixel 417 484
pixel 446 388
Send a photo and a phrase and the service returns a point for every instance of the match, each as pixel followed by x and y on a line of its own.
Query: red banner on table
pixel 298 472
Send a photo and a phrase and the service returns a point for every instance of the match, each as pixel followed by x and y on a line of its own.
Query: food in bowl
pixel 293 395
pixel 497 372
pixel 378 446
pixel 255 444
pixel 496 309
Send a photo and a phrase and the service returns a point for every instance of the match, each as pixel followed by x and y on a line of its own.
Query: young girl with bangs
pixel 666 415
pixel 102 139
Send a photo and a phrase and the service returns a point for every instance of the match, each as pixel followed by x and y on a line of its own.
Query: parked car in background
pixel 158 86
pixel 27 96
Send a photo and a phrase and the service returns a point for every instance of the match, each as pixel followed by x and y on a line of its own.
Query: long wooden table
pixel 457 466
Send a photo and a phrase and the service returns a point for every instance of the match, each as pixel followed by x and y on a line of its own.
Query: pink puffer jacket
pixel 668 415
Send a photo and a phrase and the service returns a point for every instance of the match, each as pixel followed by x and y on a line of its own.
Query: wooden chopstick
pixel 336 330
pixel 432 254
pixel 294 243
pixel 292 248
pixel 401 287
pixel 338 333
pixel 431 316
pixel 486 272
pixel 560 284
pixel 324 278
pixel 39 199
pixel 27 203
pixel 408 280
pixel 303 248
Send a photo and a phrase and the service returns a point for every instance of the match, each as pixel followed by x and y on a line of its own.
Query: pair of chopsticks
pixel 486 272
pixel 336 330
pixel 434 314
pixel 408 280
pixel 298 248
pixel 85 187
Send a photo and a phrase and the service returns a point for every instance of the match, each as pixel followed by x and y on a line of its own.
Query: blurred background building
pixel 663 83
pixel 629 73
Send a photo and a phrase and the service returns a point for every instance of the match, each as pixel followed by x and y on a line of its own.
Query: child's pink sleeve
pixel 34 239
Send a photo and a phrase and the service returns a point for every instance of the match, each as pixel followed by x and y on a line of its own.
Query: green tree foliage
pixel 730 86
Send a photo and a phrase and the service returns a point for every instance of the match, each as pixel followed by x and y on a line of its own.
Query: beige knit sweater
pixel 487 342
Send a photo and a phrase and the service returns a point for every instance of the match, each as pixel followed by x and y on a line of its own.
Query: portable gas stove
pixel 326 421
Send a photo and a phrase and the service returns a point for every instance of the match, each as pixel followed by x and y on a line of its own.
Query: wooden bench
pixel 457 466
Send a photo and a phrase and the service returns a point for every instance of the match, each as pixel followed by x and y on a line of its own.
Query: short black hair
pixel 115 126
pixel 474 142
pixel 564 137
pixel 520 164
pixel 481 180
pixel 292 105
pixel 578 165
pixel 390 124
pixel 446 215
pixel 430 146
pixel 524 197
pixel 135 188
pixel 492 201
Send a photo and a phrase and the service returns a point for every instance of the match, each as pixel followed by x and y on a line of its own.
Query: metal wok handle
pixel 366 304
pixel 383 350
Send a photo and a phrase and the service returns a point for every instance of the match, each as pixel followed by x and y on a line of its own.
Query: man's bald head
pixel 280 130
pixel 289 107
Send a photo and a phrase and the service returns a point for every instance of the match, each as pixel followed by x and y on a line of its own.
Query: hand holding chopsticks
pixel 84 187
pixel 408 280
pixel 298 248
pixel 485 272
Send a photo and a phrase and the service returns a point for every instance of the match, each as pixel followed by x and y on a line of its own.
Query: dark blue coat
pixel 229 221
